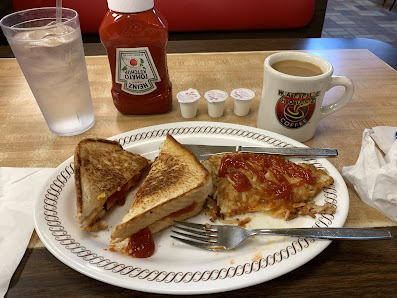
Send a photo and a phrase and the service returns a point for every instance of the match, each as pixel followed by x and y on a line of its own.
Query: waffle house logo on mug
pixel 294 110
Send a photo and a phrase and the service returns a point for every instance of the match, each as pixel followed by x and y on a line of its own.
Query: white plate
pixel 176 268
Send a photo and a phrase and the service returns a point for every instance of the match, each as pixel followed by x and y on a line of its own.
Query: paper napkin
pixel 19 189
pixel 374 176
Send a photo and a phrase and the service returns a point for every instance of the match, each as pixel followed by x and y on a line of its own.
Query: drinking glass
pixel 51 57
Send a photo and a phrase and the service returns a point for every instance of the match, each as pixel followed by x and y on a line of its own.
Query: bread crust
pixel 101 167
pixel 176 180
pixel 169 221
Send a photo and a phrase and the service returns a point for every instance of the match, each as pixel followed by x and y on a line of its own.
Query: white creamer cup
pixel 216 102
pixel 242 100
pixel 188 101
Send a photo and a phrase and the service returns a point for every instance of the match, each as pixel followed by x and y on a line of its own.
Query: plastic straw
pixel 58 15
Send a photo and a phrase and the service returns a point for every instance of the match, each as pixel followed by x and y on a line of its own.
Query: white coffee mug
pixel 291 105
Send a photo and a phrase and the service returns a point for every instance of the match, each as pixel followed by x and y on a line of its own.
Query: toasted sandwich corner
pixel 175 189
pixel 104 173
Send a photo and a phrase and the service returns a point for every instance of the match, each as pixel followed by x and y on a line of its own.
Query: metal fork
pixel 223 237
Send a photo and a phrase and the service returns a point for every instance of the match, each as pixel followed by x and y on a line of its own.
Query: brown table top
pixel 345 267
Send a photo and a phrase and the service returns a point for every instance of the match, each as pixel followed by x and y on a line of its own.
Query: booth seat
pixel 200 15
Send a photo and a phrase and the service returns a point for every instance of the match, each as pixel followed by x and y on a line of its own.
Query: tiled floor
pixel 361 18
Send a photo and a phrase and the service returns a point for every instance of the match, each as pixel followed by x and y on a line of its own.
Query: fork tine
pixel 201 233
pixel 194 243
pixel 199 238
pixel 196 226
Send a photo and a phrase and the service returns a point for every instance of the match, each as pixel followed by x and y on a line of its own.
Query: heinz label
pixel 136 71
pixel 294 110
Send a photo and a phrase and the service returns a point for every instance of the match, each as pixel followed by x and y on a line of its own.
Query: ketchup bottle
pixel 135 36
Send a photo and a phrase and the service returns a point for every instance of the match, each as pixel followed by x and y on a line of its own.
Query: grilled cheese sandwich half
pixel 104 173
pixel 175 189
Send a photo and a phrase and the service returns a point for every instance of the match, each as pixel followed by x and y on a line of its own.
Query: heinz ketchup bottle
pixel 135 37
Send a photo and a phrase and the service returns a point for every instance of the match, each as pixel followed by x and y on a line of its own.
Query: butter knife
pixel 206 150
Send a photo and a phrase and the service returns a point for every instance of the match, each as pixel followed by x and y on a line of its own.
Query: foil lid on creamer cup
pixel 216 102
pixel 242 100
pixel 187 96
pixel 188 100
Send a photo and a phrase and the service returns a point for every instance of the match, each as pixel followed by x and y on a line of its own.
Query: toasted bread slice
pixel 175 189
pixel 104 172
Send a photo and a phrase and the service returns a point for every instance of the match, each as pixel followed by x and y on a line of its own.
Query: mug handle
pixel 346 96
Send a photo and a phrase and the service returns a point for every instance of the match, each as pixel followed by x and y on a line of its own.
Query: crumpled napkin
pixel 19 189
pixel 374 176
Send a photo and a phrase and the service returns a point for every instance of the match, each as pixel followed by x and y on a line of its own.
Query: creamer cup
pixel 242 100
pixel 216 102
pixel 188 101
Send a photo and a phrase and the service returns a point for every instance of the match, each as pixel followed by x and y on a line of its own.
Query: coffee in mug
pixel 297 68
pixel 294 85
